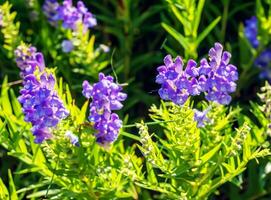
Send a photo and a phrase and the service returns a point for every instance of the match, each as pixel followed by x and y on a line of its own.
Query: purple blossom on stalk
pixel 73 138
pixel 28 59
pixel 218 76
pixel 69 14
pixel 177 84
pixel 251 31
pixel 106 96
pixel 201 117
pixel 41 105
pixel 67 46
pixel 263 62
pixel 108 128
pixel 50 8
pixel 264 59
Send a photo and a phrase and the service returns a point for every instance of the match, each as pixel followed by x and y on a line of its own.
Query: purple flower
pixel 50 8
pixel 264 59
pixel 106 96
pixel 28 59
pixel 67 46
pixel 201 117
pixel 263 62
pixel 73 138
pixel 251 31
pixel 218 76
pixel 265 74
pixel 41 105
pixel 69 15
pixel 108 129
pixel 177 84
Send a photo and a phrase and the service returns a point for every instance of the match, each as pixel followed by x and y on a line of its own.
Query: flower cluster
pixel 50 10
pixel 251 31
pixel 177 84
pixel 41 104
pixel 264 59
pixel 216 78
pixel 106 97
pixel 27 59
pixel 69 15
pixel 218 75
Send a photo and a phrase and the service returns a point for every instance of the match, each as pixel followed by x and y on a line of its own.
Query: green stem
pixel 51 182
pixel 224 20
pixel 149 123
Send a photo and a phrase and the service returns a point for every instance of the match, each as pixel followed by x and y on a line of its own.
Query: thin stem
pixel 112 66
pixel 53 175
pixel 13 83
pixel 224 20
pixel 149 123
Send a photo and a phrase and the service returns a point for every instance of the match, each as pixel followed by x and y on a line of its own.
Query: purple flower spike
pixel 41 105
pixel 264 59
pixel 177 84
pixel 263 62
pixel 50 9
pixel 87 89
pixel 251 31
pixel 41 134
pixel 28 60
pixel 218 76
pixel 69 15
pixel 106 96
pixel 201 117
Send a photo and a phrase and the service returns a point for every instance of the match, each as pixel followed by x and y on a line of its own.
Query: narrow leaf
pixel 178 36
pixel 207 30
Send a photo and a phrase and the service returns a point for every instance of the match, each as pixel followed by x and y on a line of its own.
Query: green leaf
pixel 69 96
pixel 6 105
pixel 43 193
pixel 83 111
pixel 151 175
pixel 206 157
pixel 3 191
pixel 246 148
pixel 207 30
pixel 178 36
pixel 259 9
pixel 17 109
pixel 12 188
pixel 198 16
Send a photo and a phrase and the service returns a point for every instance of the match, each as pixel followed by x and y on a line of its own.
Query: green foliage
pixel 9 29
pixel 86 172
pixel 179 160
pixel 188 13
pixel 193 162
